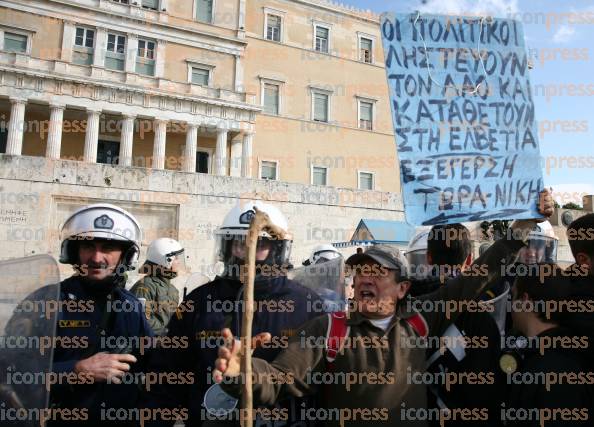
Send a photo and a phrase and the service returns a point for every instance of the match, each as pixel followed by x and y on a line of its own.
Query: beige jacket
pixel 370 380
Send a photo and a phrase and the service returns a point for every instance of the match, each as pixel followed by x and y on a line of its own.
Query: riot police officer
pixel 281 305
pixel 164 260
pixel 101 242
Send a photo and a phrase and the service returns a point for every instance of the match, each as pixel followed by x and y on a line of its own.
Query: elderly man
pixel 362 367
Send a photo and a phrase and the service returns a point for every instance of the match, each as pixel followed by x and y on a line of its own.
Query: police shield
pixel 29 296
pixel 327 279
pixel 495 301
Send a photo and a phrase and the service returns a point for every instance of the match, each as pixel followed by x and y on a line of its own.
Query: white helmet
pixel 163 252
pixel 238 220
pixel 416 254
pixel 101 221
pixel 322 253
pixel 541 246
pixel 235 228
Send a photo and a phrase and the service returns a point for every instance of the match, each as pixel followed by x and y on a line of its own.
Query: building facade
pixel 177 109
pixel 289 90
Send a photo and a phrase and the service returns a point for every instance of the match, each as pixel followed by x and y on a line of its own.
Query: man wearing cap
pixel 99 324
pixel 371 376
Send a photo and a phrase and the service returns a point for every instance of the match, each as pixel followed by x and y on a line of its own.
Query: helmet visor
pixel 539 250
pixel 417 263
pixel 232 251
pixel 177 261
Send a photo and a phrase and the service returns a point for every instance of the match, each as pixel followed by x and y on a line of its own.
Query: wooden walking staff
pixel 260 223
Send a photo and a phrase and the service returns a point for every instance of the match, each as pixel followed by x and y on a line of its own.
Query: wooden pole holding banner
pixel 260 223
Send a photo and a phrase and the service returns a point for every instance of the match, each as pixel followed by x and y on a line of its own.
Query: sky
pixel 563 54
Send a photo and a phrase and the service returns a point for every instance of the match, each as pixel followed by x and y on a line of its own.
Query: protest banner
pixel 463 116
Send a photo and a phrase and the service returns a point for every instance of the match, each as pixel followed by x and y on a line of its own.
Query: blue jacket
pixel 282 306
pixel 113 330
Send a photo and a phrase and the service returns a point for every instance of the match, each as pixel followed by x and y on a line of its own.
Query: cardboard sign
pixel 463 118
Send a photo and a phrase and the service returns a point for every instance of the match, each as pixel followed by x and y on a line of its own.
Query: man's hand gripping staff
pixel 237 356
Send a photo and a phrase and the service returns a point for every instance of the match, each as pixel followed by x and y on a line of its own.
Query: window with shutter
pixel 271 98
pixel 273 27
pixel 145 61
pixel 150 4
pixel 319 176
pixel 365 181
pixel 204 10
pixel 84 41
pixel 366 50
pixel 322 35
pixel 200 76
pixel 268 170
pixel 365 115
pixel 320 107
pixel 15 42
pixel 115 52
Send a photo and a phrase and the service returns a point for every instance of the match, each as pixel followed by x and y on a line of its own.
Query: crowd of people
pixel 426 336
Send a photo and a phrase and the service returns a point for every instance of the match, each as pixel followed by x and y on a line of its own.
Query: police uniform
pixel 161 298
pixel 109 323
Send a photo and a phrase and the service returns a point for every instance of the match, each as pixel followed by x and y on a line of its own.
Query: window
pixel 14 42
pixel 271 98
pixel 150 4
pixel 121 1
pixel 273 27
pixel 322 36
pixel 268 170
pixel 3 139
pixel 319 175
pixel 145 61
pixel 202 162
pixel 200 76
pixel 84 41
pixel 204 10
pixel 366 181
pixel 108 152
pixel 366 50
pixel 146 49
pixel 320 106
pixel 365 115
pixel 115 57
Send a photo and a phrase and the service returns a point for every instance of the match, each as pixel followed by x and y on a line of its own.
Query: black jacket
pixel 529 393
pixel 486 389
pixel 281 307
pixel 88 323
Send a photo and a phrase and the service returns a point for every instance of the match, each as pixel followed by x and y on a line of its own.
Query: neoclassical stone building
pixel 289 90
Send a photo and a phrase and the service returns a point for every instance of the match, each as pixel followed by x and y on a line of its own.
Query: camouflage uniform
pixel 162 299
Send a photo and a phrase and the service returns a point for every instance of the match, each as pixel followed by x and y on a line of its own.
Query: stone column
pixel 16 126
pixel 246 155
pixel 54 136
pixel 126 140
pixel 221 151
pixel 191 146
pixel 159 144
pixel 92 136
pixel 236 157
